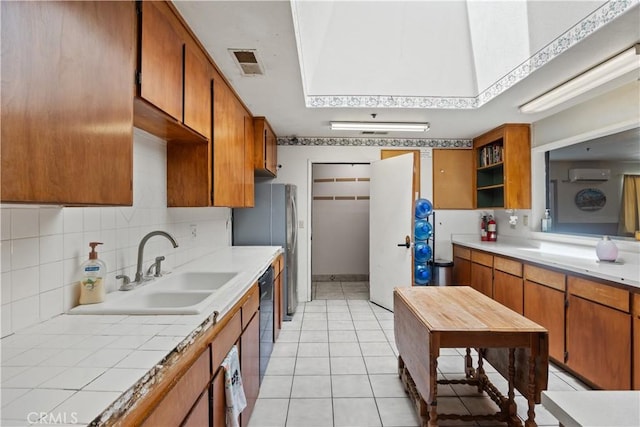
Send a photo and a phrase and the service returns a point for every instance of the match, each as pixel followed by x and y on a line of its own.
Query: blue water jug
pixel 423 208
pixel 422 274
pixel 421 252
pixel 422 229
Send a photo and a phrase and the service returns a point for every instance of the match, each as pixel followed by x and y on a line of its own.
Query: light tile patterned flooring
pixel 335 365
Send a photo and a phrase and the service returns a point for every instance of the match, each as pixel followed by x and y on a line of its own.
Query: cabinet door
pixel 636 341
pixel 197 91
pixel 545 306
pixel 482 279
pixel 67 102
pixel 177 403
pixel 599 343
pixel 229 162
pixel 508 290
pixel 161 60
pixel 452 179
pixel 461 271
pixel 218 400
pixel 248 148
pixel 250 366
pixel 199 415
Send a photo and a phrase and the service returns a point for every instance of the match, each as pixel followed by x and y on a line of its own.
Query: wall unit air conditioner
pixel 577 175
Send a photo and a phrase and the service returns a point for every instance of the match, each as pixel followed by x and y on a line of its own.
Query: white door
pixel 390 224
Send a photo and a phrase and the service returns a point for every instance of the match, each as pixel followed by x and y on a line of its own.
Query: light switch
pixel 300 224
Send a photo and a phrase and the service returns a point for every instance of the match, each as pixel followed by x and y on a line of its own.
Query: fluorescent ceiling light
pixel 380 126
pixel 613 68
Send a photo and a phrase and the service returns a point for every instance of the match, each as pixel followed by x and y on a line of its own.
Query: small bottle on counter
pixel 94 270
pixel 546 221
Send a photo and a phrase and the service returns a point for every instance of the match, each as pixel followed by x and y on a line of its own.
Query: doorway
pixel 340 231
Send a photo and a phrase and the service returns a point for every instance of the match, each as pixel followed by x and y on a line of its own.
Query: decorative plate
pixel 590 199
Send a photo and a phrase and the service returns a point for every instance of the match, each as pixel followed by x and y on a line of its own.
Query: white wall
pixel 296 164
pixel 43 247
pixel 340 244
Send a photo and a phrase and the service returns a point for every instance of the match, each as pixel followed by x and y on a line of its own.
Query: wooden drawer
pixel 482 258
pixel 223 342
pixel 460 252
pixel 545 277
pixel 508 266
pixel 599 292
pixel 251 305
pixel 636 307
pixel 178 402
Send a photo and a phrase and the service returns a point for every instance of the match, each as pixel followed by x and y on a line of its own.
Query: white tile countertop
pixel 84 369
pixel 594 408
pixel 577 258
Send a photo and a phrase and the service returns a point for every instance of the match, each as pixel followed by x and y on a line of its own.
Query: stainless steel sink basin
pixel 195 281
pixel 177 293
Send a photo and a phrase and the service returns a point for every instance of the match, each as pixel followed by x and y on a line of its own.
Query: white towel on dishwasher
pixel 234 390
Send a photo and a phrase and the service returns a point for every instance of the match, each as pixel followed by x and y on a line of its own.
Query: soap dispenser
pixel 94 270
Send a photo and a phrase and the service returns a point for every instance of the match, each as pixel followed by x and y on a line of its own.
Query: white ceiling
pixel 463 66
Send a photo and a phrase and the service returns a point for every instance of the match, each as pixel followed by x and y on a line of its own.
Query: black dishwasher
pixel 265 282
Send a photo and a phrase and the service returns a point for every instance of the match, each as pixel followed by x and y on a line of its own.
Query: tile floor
pixel 335 364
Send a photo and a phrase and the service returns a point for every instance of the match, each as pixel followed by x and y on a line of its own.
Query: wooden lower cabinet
pixel 598 335
pixel 545 306
pixel 508 287
pixel 482 272
pixel 218 400
pixel 461 266
pixel 250 366
pixel 199 415
pixel 636 342
pixel 508 290
pixel 177 403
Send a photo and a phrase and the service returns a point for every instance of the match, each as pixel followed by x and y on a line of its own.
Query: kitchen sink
pixel 177 293
pixel 195 281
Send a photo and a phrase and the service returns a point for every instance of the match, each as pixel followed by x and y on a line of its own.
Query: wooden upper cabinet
pixel 197 91
pixel 67 112
pixel 232 163
pixel 161 59
pixel 502 168
pixel 172 77
pixel 452 179
pixel 265 148
pixel 249 149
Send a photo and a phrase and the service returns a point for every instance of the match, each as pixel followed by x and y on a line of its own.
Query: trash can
pixel 442 273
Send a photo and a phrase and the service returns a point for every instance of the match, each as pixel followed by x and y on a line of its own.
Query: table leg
pixel 531 415
pixel 433 405
pixel 480 371
pixel 512 411
pixel 469 371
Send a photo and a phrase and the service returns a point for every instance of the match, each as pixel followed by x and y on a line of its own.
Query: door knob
pixel 407 242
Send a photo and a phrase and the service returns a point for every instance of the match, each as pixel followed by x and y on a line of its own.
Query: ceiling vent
pixel 247 60
pixel 578 175
pixel 373 132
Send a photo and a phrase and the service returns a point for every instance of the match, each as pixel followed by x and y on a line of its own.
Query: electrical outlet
pixel 525 220
pixel 194 231
pixel 300 224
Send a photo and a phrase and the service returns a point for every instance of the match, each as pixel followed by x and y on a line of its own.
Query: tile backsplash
pixel 43 247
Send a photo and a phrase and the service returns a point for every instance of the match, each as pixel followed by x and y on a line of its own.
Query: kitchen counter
pixel 88 369
pixel 594 408
pixel 571 257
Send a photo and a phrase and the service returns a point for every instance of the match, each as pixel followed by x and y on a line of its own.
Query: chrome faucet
pixel 139 275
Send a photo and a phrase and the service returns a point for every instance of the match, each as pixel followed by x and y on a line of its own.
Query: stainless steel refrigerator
pixel 273 222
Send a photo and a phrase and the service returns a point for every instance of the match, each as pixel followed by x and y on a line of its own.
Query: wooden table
pixel 428 318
